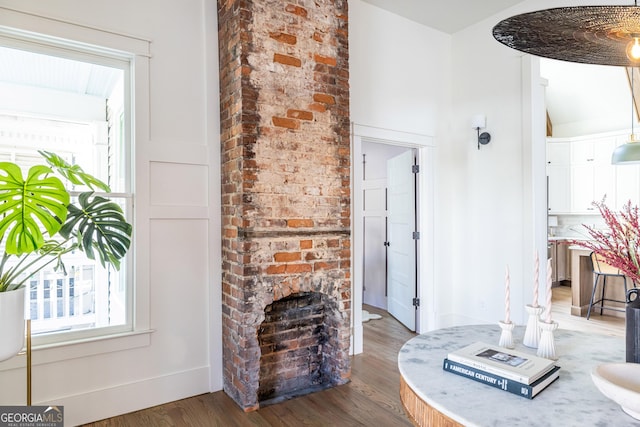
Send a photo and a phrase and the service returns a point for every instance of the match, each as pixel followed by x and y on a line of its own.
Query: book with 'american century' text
pixel 525 390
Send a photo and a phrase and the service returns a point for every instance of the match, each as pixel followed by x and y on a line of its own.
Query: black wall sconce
pixel 479 121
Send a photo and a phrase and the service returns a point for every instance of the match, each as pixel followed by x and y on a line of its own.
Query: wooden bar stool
pixel 604 270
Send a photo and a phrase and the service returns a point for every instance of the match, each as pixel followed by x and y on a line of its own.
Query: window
pixel 73 103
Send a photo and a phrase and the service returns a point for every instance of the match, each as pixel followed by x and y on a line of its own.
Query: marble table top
pixel 572 400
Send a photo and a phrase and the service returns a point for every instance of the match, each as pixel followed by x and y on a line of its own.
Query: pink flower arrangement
pixel 619 245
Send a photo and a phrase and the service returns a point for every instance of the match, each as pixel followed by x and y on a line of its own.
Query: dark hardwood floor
pixel 371 398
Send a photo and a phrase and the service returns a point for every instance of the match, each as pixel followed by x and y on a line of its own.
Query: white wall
pixel 400 80
pixel 490 182
pixel 488 202
pixel 500 206
pixel 400 71
pixel 177 215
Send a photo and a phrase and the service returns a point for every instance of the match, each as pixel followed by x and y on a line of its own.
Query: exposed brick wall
pixel 285 172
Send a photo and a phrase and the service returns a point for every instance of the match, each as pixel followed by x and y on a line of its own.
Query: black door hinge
pixel 416 235
pixel 416 302
pixel 415 168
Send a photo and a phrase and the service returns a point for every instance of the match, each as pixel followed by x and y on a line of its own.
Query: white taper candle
pixel 536 274
pixel 549 282
pixel 507 298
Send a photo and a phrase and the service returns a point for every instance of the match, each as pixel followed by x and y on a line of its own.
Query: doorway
pixel 389 220
pixel 372 149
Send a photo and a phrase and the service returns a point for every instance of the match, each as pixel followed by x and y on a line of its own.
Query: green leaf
pixel 99 227
pixel 73 173
pixel 29 208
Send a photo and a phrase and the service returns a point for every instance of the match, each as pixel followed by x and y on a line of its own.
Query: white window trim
pixel 20 27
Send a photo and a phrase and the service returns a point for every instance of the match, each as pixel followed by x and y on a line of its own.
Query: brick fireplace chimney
pixel 284 111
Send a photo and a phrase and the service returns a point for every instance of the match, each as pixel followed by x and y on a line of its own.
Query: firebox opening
pixel 298 347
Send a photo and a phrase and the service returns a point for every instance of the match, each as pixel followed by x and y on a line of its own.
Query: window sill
pixel 51 353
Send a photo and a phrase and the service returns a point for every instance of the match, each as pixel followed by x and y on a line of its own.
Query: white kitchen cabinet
pixel 627 185
pixel 559 189
pixel 582 184
pixel 591 183
pixel 558 153
pixel 559 177
pixel 591 151
pixel 603 150
pixel 592 175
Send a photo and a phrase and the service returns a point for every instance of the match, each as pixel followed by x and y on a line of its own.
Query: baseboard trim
pixel 356 340
pixel 109 402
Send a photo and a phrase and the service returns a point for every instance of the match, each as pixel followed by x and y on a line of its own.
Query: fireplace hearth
pixel 297 343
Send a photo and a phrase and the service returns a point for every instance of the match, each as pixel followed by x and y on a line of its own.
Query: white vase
pixel 12 323
pixel 532 333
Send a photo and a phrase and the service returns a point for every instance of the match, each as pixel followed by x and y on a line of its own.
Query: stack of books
pixel 513 371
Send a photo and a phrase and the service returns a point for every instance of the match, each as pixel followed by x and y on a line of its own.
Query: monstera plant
pixel 40 222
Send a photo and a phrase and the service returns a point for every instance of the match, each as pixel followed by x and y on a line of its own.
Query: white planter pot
pixel 12 323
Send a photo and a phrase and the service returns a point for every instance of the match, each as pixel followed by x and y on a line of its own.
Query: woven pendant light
pixel 604 35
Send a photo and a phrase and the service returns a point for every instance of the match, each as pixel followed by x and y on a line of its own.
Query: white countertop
pixel 572 400
pixel 555 238
pixel 579 248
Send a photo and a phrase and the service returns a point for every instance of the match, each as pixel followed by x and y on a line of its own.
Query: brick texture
pixel 293 345
pixel 284 116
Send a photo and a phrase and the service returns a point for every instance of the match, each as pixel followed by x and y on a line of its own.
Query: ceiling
pixel 576 93
pixel 449 16
pixel 586 99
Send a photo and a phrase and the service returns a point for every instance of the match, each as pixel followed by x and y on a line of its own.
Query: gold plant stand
pixel 28 362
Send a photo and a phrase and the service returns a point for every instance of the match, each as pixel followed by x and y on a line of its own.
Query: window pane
pixel 87 296
pixel 77 110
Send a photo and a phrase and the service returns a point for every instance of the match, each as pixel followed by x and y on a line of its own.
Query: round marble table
pixel 434 397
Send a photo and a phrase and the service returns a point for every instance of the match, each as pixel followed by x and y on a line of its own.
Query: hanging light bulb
pixel 633 48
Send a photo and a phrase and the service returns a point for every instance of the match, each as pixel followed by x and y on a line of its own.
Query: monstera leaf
pixel 30 207
pixel 99 227
pixel 74 173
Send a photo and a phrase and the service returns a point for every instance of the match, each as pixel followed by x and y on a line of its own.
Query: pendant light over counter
pixel 602 35
pixel 629 152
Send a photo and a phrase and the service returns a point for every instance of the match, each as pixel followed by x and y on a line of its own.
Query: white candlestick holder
pixel 506 337
pixel 532 333
pixel 547 346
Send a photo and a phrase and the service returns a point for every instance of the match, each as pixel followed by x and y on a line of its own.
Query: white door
pixel 375 230
pixel 401 250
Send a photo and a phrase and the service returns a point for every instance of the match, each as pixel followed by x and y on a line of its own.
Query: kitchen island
pixel 582 278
